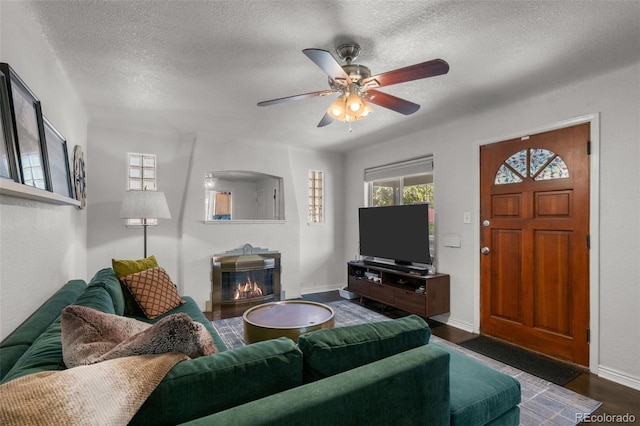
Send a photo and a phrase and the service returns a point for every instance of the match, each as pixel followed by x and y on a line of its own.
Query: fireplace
pixel 245 275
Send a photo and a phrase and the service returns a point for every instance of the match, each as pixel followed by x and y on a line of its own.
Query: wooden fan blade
pixel 327 63
pixel 326 120
pixel 392 102
pixel 413 72
pixel 297 97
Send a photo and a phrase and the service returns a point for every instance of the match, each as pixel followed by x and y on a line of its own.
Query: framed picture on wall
pixel 57 160
pixel 28 130
pixel 8 168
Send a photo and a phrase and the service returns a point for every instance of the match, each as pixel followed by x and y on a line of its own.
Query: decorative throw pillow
pixel 154 291
pixel 90 336
pixel 128 267
pixel 122 268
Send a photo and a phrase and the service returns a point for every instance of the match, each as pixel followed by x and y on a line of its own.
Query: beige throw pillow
pixel 90 336
pixel 154 291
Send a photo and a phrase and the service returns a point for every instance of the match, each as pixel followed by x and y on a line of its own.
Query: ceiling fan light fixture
pixel 367 109
pixel 342 110
pixel 337 109
pixel 355 104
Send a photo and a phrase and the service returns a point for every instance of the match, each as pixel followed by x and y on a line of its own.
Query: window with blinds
pixel 405 182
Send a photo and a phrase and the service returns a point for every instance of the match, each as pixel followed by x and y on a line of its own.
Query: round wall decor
pixel 79 176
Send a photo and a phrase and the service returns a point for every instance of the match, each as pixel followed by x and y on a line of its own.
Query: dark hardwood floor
pixel 617 400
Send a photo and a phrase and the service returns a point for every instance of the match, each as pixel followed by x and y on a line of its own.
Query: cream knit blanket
pixel 106 393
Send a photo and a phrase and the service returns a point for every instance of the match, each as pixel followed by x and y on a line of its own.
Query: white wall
pixel 321 244
pixel 107 168
pixel 455 145
pixel 184 244
pixel 41 245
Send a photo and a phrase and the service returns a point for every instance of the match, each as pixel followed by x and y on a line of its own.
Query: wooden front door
pixel 534 213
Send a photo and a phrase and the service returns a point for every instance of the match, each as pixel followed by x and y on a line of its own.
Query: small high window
pixel 142 177
pixel 316 197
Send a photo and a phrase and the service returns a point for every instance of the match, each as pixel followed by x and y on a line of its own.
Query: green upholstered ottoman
pixel 480 395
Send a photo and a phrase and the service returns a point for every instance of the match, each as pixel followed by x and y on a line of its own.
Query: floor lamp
pixel 144 205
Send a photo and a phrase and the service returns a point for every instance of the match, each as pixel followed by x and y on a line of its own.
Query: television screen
pixel 399 233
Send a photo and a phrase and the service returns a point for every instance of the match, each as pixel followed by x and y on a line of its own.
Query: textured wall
pixel 455 146
pixel 41 245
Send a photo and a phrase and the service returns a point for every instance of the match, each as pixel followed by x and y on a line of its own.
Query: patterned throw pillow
pixel 124 267
pixel 154 291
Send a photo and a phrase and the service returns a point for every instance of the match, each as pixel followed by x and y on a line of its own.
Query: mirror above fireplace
pixel 239 195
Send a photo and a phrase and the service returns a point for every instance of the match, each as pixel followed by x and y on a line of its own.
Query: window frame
pixel 315 201
pixel 134 223
pixel 400 171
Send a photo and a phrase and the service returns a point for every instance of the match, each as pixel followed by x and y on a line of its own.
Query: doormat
pixel 544 367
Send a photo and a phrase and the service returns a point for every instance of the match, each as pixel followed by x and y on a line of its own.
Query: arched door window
pixel 535 163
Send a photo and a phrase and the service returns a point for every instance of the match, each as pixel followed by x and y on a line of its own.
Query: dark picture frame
pixel 8 169
pixel 58 170
pixel 28 131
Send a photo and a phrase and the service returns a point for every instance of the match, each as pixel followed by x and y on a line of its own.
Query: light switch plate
pixel 467 217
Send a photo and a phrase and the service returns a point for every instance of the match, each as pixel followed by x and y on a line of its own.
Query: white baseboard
pixel 320 289
pixel 619 377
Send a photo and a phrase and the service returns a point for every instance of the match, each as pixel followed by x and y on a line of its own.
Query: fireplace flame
pixel 247 290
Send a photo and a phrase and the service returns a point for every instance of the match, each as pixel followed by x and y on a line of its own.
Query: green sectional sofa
pixel 378 373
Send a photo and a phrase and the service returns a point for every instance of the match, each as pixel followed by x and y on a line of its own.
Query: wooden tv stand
pixel 398 289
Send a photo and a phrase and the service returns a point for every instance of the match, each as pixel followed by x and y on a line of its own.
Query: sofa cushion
pixel 98 298
pixel 407 389
pixel 43 355
pixel 107 279
pixel 479 394
pixel 46 351
pixel 199 387
pixel 154 291
pixel 16 344
pixel 90 336
pixel 124 267
pixel 335 350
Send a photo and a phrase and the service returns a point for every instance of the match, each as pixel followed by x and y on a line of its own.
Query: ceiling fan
pixel 357 87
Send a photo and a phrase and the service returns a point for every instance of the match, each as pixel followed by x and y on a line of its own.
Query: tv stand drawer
pixel 410 301
pixel 382 293
pixel 359 286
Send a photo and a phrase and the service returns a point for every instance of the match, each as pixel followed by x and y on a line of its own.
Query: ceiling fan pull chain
pixel 350 129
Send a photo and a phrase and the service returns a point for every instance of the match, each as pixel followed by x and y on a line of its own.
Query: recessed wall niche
pixel 238 195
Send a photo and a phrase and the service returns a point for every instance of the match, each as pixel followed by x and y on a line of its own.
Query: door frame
pixel 594 226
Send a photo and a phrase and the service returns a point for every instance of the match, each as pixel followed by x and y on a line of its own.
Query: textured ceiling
pixel 201 66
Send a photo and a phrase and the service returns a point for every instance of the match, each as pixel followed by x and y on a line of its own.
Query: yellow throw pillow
pixel 154 291
pixel 128 267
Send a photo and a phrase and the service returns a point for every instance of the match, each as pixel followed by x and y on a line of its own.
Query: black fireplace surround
pixel 245 275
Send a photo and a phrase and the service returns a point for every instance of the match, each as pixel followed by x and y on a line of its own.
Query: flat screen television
pixel 396 233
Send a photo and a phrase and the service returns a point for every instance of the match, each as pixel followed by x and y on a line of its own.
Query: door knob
pixel 485 250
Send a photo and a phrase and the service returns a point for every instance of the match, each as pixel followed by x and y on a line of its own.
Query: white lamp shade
pixel 144 205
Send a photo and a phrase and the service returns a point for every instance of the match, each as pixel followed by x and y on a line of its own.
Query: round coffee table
pixel 289 318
